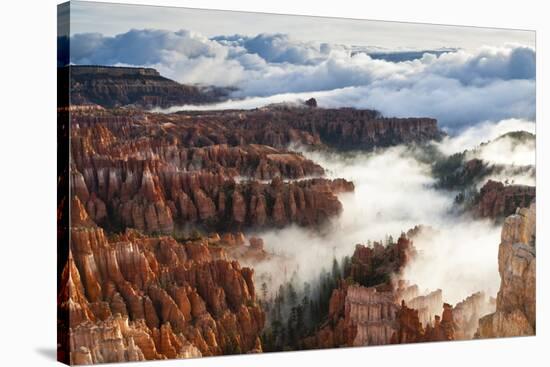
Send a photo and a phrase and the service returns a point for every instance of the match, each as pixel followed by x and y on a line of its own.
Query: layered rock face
pixel 133 297
pixel 275 126
pixel 410 329
pixel 373 307
pixel 155 172
pixel 468 312
pixel 129 173
pixel 372 265
pixel 339 128
pixel 427 305
pixel 516 300
pixel 141 87
pixel 497 200
pixel 362 316
pixel 373 312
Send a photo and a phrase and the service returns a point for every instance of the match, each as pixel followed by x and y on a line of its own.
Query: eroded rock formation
pixel 372 265
pixel 131 292
pixel 142 87
pixel 468 312
pixel 374 307
pixel 129 173
pixel 515 313
pixel 497 200
pixel 362 316
pixel 133 297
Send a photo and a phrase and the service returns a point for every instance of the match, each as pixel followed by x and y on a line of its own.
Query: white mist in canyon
pixel 485 141
pixel 393 193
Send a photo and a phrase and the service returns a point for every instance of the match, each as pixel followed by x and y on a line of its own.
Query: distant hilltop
pixel 113 86
pixel 112 70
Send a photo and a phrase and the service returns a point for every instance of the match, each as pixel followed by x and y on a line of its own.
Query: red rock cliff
pixel 516 301
pixel 134 297
pixel 497 200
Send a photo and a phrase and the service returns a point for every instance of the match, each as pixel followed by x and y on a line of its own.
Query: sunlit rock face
pixel 158 172
pixel 516 301
pixel 389 312
pixel 132 297
pixel 498 200
pixel 374 313
pixel 468 312
pixel 134 172
pixel 363 316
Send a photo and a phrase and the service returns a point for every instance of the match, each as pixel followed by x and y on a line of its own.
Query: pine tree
pixel 292 296
pixel 346 266
pixel 336 274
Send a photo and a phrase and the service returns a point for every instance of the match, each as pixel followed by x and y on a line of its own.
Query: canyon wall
pixel 516 300
pixel 363 316
pixel 373 306
pixel 497 200
pixel 139 87
pixel 133 297
pixel 132 172
pixel 228 170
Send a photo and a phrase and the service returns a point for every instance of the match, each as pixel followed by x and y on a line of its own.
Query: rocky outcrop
pixel 361 316
pixel 155 199
pixel 129 173
pixel 515 313
pixel 497 200
pixel 142 87
pixel 468 312
pixel 133 297
pixel 337 330
pixel 118 340
pixel 374 307
pixel 376 264
pixel 411 330
pixel 276 127
pixel 427 305
pixel 312 103
pixel 373 313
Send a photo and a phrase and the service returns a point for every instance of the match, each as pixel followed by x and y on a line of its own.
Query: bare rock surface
pixel 516 300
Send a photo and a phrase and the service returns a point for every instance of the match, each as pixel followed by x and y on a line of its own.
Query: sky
pixel 460 75
pixel 111 19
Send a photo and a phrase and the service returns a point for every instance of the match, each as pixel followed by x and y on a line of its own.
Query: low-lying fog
pixel 393 193
pixel 517 158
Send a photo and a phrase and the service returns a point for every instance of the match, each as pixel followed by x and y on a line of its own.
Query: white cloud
pixel 507 151
pixel 393 193
pixel 484 132
pixel 505 63
pixel 458 88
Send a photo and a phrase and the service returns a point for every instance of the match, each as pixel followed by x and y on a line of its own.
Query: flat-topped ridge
pixel 112 70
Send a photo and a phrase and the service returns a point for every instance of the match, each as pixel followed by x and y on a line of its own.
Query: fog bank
pixel 393 193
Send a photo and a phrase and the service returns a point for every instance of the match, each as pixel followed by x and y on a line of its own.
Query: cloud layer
pixel 392 188
pixel 391 192
pixel 473 136
pixel 457 87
